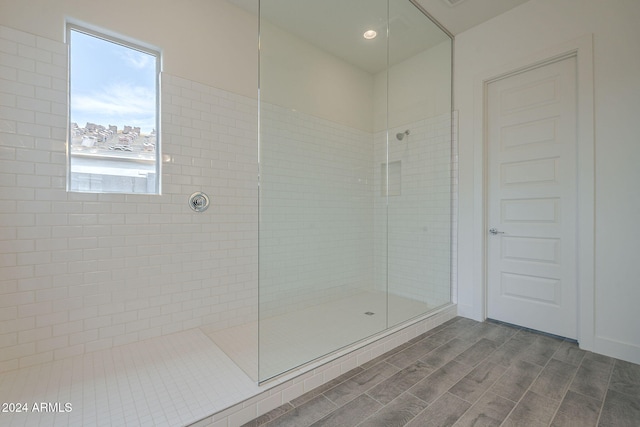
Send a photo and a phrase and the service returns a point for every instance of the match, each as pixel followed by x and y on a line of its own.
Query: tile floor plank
pixel 533 409
pixel 442 413
pixel 436 384
pixel 350 414
pixel 446 352
pixel 592 378
pixel 620 410
pixel 577 410
pixel 510 351
pixel 386 355
pixel 489 330
pixel 270 416
pixel 554 379
pixel 569 352
pixel 306 414
pixel 516 380
pixel 397 413
pixel 411 354
pixel 477 352
pixel 490 410
pixel 542 349
pixel 327 386
pixel 626 378
pixel 476 382
pixel 360 383
pixel 394 386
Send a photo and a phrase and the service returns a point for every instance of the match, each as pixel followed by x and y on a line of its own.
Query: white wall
pixel 418 87
pixel 297 75
pixel 532 28
pixel 211 42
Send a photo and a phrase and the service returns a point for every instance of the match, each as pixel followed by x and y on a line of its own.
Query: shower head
pixel 400 135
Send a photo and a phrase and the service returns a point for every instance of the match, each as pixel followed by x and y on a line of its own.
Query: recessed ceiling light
pixel 370 34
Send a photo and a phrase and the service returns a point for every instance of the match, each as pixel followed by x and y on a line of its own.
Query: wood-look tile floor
pixel 467 373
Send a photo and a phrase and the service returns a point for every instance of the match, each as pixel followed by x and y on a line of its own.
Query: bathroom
pixel 83 273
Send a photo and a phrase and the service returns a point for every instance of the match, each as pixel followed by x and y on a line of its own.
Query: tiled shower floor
pixel 171 380
pixel 299 336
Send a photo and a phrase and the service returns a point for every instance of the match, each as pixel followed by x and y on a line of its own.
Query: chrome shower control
pixel 199 202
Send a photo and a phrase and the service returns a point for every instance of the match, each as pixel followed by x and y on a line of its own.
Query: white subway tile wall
pixel 82 272
pixel 315 210
pixel 335 198
pixel 413 226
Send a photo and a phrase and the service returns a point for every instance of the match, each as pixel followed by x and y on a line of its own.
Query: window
pixel 113 114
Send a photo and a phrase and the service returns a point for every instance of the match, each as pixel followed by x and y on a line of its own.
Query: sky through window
pixel 113 113
pixel 111 84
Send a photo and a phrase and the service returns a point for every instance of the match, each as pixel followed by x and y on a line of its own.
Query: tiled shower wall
pixel 315 210
pixel 81 272
pixel 329 205
pixel 418 216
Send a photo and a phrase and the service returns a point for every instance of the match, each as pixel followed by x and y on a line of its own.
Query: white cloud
pixel 138 60
pixel 117 100
pixel 116 105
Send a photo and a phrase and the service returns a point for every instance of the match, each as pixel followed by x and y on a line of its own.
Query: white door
pixel 532 194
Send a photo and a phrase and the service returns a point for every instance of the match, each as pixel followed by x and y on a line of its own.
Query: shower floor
pixel 180 378
pixel 171 380
pixel 299 336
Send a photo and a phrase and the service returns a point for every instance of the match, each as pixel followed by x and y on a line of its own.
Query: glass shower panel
pixel 321 287
pixel 418 166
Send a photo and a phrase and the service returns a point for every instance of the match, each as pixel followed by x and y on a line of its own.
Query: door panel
pixel 531 205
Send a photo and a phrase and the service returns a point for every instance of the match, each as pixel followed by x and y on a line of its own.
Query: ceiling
pixel 410 32
pixel 467 13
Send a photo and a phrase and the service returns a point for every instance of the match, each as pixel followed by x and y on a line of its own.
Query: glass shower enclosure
pixel 354 174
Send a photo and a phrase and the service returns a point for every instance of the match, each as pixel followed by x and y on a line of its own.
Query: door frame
pixel 582 50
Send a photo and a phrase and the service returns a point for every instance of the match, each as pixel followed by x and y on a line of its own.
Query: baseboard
pixel 617 349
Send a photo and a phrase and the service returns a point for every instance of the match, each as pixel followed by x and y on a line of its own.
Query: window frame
pixel 128 42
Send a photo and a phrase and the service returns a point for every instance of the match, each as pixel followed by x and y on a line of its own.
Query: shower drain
pixel 369 313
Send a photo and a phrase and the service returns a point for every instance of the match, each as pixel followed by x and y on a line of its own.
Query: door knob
pixel 495 231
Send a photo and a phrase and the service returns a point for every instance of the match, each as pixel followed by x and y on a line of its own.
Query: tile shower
pixel 92 283
pixel 84 272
